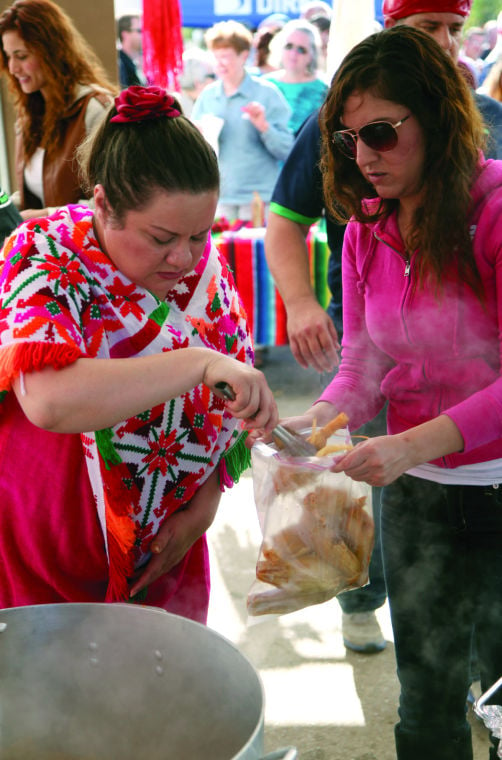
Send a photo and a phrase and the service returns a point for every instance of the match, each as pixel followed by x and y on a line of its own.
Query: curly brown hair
pixel 66 60
pixel 407 66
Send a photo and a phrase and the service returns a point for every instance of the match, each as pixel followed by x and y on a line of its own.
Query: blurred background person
pixel 494 53
pixel 315 8
pixel 198 72
pixel 273 23
pixel 492 85
pixel 490 30
pixel 297 49
pixel 260 53
pixel 130 51
pixel 259 62
pixel 246 119
pixel 471 49
pixel 474 42
pixel 60 92
pixel 323 25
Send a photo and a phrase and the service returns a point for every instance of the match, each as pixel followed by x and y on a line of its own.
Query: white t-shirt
pixel 479 474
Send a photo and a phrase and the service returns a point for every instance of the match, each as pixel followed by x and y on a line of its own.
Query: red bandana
pixel 397 9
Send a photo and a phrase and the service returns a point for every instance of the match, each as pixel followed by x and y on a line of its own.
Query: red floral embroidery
pixel 126 298
pixel 163 452
pixel 64 269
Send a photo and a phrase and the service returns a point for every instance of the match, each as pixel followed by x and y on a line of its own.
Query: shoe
pixel 362 633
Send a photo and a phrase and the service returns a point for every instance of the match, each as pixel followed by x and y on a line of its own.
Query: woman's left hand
pixel 170 545
pixel 178 533
pixel 377 461
pixel 380 461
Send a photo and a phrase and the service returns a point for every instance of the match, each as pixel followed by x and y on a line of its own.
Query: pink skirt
pixel 52 548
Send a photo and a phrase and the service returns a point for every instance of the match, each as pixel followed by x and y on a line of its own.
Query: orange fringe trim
pixel 32 357
pixel 121 535
pixel 120 569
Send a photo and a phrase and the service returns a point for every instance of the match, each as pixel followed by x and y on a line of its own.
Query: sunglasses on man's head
pixel 377 135
pixel 299 48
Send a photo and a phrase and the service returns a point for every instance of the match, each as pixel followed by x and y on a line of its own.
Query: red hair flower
pixel 142 104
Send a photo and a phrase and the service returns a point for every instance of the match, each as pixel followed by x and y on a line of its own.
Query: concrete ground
pixel 331 704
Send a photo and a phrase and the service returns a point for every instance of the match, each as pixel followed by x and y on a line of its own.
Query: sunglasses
pixel 377 135
pixel 299 48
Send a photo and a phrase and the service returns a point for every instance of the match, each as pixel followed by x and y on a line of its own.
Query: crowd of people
pixel 121 318
pixel 482 49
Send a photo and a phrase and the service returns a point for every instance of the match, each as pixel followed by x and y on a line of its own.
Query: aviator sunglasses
pixel 299 48
pixel 377 135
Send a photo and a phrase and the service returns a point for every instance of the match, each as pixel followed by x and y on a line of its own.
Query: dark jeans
pixel 442 552
pixel 373 595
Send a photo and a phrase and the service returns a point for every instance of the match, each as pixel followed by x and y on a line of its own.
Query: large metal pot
pixel 103 682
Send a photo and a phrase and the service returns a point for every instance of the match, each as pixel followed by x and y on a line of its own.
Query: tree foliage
pixel 482 11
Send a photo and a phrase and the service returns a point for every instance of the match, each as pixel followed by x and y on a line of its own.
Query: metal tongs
pixel 491 715
pixel 293 444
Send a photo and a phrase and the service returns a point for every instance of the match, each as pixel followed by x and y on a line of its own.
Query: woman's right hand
pixel 313 337
pixel 320 413
pixel 254 402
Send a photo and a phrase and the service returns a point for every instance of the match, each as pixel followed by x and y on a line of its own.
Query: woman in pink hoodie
pixel 422 314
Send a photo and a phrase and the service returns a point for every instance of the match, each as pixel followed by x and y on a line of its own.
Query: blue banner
pixel 205 13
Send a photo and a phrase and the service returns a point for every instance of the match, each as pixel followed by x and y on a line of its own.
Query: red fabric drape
pixel 162 42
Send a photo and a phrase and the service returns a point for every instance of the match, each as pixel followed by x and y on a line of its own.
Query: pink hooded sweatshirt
pixel 426 354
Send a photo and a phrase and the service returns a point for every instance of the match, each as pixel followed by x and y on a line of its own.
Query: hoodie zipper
pixel 407 271
pixel 404 257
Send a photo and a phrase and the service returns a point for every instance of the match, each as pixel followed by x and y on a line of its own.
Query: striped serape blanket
pixel 244 250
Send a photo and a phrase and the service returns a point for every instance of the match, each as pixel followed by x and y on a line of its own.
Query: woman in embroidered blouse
pixel 60 92
pixel 295 52
pixel 115 327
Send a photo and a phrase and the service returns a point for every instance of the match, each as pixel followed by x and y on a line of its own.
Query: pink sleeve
pixel 355 389
pixel 479 417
